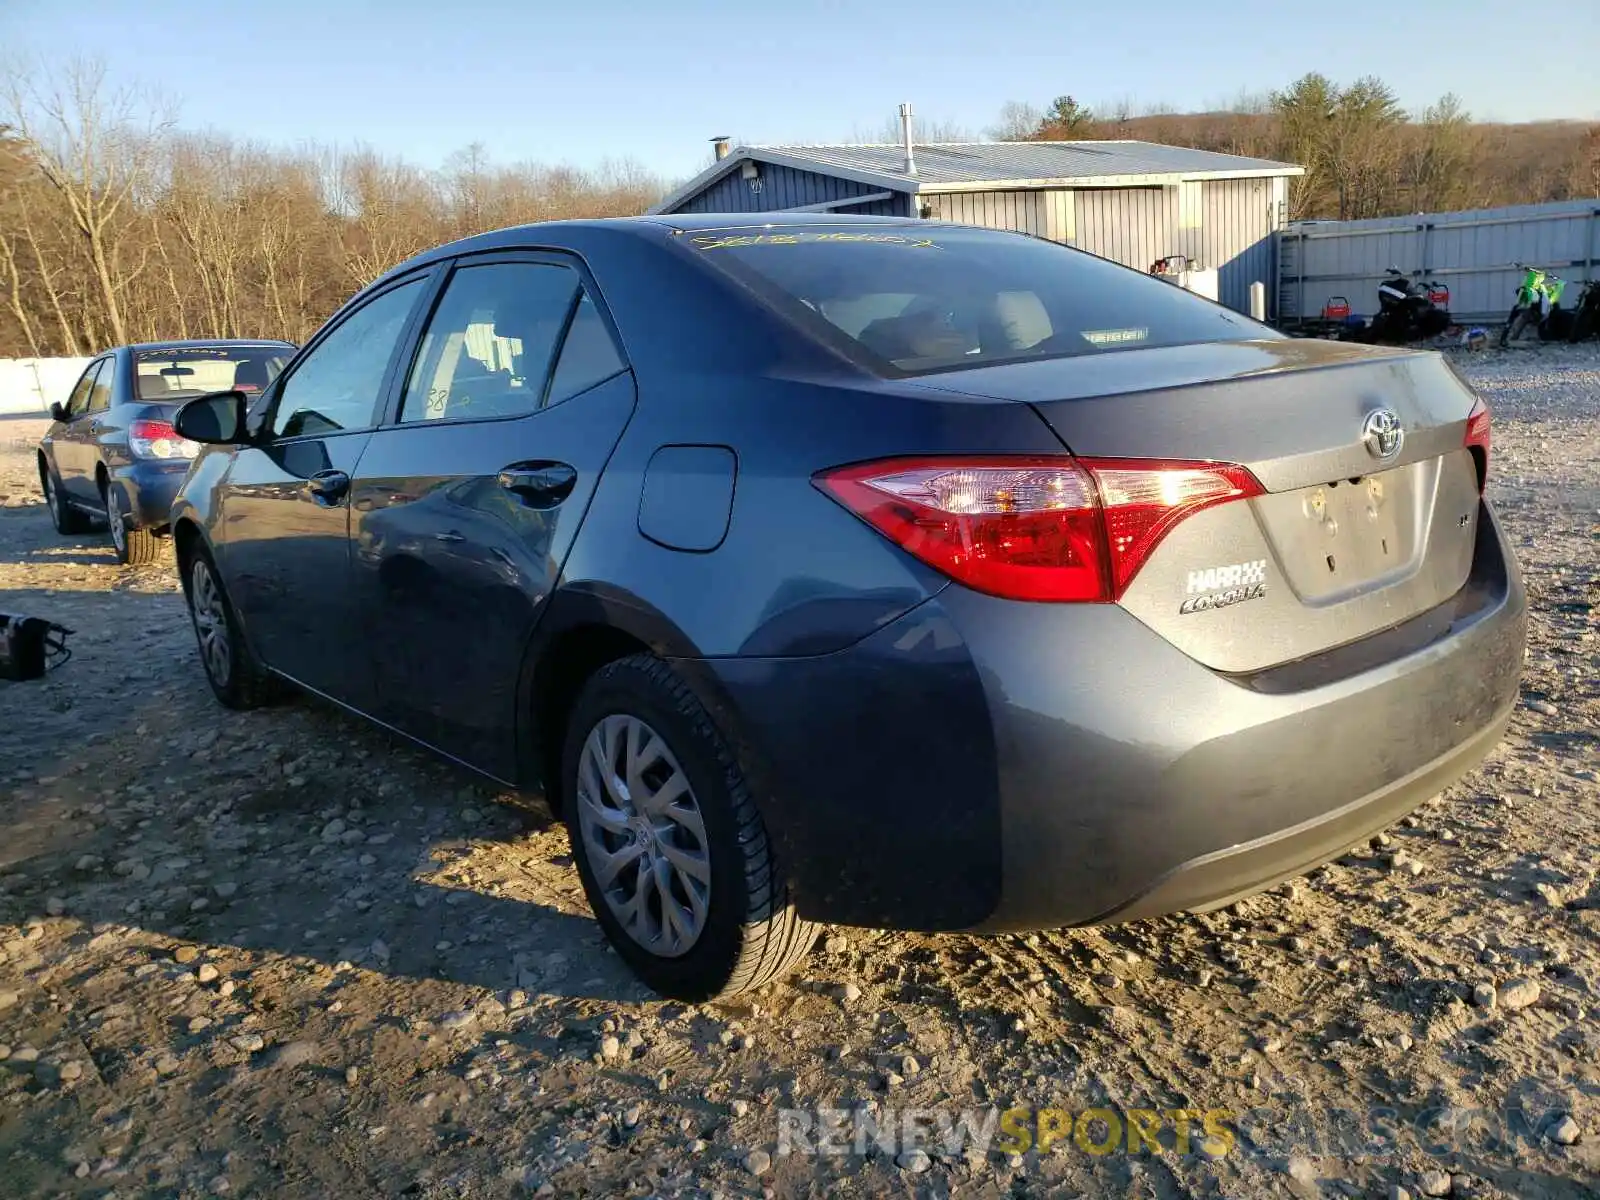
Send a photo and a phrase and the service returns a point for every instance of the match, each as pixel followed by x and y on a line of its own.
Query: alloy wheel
pixel 117 524
pixel 210 624
pixel 51 500
pixel 643 835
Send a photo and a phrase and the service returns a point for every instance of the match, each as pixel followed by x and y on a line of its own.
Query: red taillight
pixel 1477 439
pixel 152 430
pixel 1144 499
pixel 158 439
pixel 1059 529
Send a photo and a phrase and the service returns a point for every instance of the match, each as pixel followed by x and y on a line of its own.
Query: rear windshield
pixel 928 298
pixel 183 372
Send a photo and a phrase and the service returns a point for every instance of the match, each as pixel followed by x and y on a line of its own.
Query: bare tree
pixel 1018 122
pixel 95 147
pixel 925 131
pixel 1586 164
pixel 393 202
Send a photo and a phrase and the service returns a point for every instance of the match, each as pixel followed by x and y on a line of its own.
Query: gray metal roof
pixel 984 166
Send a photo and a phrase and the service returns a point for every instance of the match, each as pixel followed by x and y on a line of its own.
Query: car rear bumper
pixel 1219 877
pixel 151 487
pixel 987 765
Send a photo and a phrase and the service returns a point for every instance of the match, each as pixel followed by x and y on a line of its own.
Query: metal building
pixel 1133 202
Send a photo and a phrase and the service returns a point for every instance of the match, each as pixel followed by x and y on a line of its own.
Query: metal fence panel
pixel 1469 252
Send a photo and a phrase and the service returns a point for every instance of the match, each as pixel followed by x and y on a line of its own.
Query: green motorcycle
pixel 1539 304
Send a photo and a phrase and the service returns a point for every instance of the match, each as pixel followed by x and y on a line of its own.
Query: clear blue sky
pixel 579 82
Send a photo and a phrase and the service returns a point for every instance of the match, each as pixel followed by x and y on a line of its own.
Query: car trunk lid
pixel 1366 521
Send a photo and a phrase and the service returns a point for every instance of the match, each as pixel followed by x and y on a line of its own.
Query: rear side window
pixel 588 356
pixel 487 349
pixel 508 339
pixel 917 298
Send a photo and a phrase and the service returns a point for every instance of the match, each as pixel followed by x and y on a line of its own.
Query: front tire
pixel 236 679
pixel 674 857
pixel 134 547
pixel 1514 325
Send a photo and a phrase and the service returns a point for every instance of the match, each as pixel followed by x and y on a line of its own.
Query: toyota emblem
pixel 1382 433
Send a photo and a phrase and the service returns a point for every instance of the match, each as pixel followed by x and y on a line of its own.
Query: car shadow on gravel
pixel 75 554
pixel 285 905
pixel 129 800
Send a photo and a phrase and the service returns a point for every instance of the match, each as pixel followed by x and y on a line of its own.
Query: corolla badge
pixel 1221 587
pixel 1382 433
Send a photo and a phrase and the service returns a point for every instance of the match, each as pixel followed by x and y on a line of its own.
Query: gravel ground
pixel 282 954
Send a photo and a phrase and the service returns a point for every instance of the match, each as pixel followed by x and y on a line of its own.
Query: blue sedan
pixel 111 453
pixel 861 571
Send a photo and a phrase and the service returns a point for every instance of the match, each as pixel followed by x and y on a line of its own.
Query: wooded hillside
pixel 116 225
pixel 1364 155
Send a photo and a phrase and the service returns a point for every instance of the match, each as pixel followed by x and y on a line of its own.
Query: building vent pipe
pixel 905 131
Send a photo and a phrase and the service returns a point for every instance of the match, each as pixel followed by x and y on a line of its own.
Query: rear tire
pixel 63 515
pixel 236 678
pixel 134 547
pixel 746 932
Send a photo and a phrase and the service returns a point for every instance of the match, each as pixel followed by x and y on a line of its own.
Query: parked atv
pixel 1538 304
pixel 1407 311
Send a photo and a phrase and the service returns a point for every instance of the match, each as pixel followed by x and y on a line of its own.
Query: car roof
pixel 203 344
pixel 660 227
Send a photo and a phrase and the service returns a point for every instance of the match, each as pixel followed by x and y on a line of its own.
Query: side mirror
pixel 58 411
pixel 214 420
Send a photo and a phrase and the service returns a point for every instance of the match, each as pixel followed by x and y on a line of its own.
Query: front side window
pixel 918 298
pixel 336 386
pixel 78 401
pixel 488 348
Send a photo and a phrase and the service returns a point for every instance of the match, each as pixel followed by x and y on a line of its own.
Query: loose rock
pixel 1565 1131
pixel 1433 1183
pixel 1519 993
pixel 914 1161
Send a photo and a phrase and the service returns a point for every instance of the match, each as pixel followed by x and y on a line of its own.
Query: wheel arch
pixel 583 629
pixel 186 538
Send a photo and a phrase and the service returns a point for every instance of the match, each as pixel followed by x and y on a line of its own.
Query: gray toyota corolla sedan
pixel 874 572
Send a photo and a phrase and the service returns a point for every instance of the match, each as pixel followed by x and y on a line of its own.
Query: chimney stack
pixel 719 146
pixel 905 130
